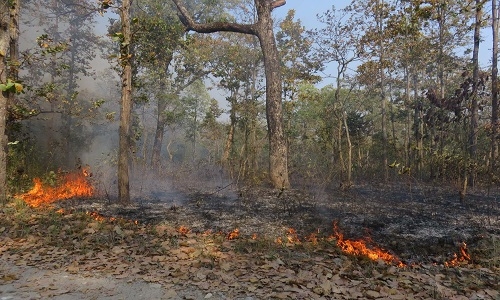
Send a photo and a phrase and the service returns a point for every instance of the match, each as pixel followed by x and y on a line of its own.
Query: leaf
pixel 18 87
pixel 117 250
pixel 118 231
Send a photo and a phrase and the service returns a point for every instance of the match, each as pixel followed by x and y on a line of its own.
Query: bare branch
pixel 189 22
pixel 277 3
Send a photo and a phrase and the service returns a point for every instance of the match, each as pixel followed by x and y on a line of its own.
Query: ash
pixel 417 223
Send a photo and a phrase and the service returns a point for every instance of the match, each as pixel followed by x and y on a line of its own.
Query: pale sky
pixel 306 11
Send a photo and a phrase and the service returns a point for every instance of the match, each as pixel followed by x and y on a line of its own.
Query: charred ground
pixel 418 223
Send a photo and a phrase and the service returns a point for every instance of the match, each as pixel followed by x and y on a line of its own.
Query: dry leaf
pixel 117 250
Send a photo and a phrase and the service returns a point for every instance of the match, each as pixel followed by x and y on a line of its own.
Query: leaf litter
pixel 78 255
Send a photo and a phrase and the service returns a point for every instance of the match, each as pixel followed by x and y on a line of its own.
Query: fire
pixel 463 256
pixel 183 230
pixel 292 236
pixel 71 185
pixel 359 248
pixel 233 234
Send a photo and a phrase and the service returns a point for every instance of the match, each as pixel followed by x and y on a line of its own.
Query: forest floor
pixel 255 243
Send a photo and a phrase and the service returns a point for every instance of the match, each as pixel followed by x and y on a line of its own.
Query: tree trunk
pixel 494 87
pixel 126 106
pixel 228 147
pixel 159 132
pixel 157 143
pixel 278 165
pixel 475 79
pixel 14 45
pixel 4 47
pixel 382 93
pixel 418 127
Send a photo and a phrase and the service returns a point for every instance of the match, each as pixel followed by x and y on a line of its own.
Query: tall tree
pixel 263 29
pixel 475 81
pixel 494 86
pixel 126 103
pixel 4 47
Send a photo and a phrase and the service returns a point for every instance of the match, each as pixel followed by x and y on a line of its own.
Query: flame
pixel 359 248
pixel 313 238
pixel 183 230
pixel 292 236
pixel 463 256
pixel 72 185
pixel 233 234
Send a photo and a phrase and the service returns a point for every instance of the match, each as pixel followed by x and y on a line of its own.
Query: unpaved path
pixel 26 282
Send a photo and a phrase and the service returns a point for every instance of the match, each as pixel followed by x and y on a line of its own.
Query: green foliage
pixel 11 86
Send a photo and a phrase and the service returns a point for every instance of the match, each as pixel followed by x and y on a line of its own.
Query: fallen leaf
pixel 117 250
pixel 372 294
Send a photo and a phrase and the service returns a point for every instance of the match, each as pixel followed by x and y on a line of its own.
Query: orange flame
pixel 463 256
pixel 292 236
pixel 183 230
pixel 73 185
pixel 359 248
pixel 233 234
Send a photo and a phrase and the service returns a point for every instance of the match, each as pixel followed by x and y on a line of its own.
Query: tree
pixel 4 47
pixel 336 42
pixel 475 82
pixel 239 70
pixel 494 86
pixel 263 29
pixel 126 103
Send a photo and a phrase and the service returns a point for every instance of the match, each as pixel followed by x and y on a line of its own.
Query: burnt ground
pixel 65 254
pixel 419 223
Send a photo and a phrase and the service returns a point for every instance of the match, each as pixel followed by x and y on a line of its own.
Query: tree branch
pixel 277 3
pixel 190 24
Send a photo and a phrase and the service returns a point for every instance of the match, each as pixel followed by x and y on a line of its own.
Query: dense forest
pixel 381 91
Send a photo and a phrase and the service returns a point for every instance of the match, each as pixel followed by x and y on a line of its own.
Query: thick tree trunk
pixel 4 47
pixel 278 165
pixel 126 106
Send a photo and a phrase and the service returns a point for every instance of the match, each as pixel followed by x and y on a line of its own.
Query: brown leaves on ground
pixel 243 266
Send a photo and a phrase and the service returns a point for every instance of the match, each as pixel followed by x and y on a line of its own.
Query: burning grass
pixel 361 248
pixel 70 185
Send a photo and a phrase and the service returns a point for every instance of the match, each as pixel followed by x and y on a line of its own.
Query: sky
pixel 306 11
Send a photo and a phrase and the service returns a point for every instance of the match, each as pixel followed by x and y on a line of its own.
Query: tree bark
pixel 494 87
pixel 126 106
pixel 4 47
pixel 263 29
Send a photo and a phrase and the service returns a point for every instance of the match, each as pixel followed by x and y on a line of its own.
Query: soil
pixel 420 224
